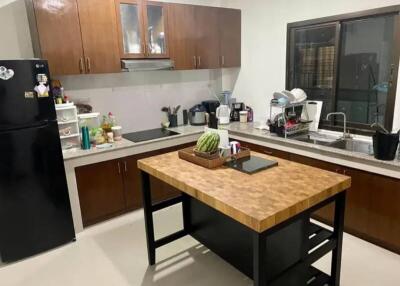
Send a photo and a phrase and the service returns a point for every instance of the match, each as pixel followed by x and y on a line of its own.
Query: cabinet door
pixel 230 29
pixel 383 217
pixel 156 24
pixel 101 191
pixel 60 35
pixel 130 28
pixel 182 27
pixel 207 44
pixel 133 181
pixel 99 36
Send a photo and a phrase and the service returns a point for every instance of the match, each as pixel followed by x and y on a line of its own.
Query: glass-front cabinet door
pixel 142 29
pixel 155 22
pixel 131 34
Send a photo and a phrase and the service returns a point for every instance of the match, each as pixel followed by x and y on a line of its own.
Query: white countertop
pixel 257 136
pixel 118 145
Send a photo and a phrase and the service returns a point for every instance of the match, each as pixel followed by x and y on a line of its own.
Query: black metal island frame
pixel 262 228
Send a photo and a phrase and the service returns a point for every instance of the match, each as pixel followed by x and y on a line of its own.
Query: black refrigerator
pixel 35 211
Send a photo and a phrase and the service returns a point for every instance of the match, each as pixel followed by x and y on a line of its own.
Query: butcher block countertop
pixel 259 201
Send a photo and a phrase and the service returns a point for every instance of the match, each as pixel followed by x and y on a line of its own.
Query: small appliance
pixel 197 115
pixel 223 114
pixel 236 108
pixel 146 135
pixel 227 95
pixel 211 105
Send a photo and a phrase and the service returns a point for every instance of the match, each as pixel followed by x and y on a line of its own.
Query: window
pixel 350 63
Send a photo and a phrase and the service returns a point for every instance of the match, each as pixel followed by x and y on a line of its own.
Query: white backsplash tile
pixel 136 99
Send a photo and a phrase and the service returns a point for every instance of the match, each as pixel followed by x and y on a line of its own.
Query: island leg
pixel 340 204
pixel 259 259
pixel 148 218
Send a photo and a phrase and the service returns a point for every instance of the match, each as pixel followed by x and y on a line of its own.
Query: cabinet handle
pixel 223 60
pixel 392 67
pixel 199 62
pixel 148 50
pixel 268 152
pixel 344 172
pixel 125 167
pixel 81 65
pixel 194 62
pixel 88 65
pixel 119 168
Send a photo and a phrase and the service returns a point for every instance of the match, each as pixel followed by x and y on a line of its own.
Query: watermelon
pixel 208 142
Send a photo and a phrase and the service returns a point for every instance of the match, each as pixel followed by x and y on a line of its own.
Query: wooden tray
pixel 188 154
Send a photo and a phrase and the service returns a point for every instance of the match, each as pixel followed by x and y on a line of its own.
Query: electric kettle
pixel 223 114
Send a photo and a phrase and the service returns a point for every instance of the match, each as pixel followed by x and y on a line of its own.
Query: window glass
pixel 365 65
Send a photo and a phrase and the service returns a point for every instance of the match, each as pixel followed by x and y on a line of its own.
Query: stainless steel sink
pixel 354 146
pixel 347 144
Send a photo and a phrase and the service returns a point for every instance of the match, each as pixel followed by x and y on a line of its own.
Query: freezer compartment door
pixel 25 96
pixel 35 211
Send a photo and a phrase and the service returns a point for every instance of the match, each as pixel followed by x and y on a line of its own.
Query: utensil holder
pixel 173 120
pixel 385 145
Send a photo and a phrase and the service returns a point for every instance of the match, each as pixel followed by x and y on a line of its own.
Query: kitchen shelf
pixel 88 115
pixel 69 136
pixel 65 106
pixel 67 122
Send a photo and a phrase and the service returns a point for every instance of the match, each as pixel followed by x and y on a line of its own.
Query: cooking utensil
pixel 378 127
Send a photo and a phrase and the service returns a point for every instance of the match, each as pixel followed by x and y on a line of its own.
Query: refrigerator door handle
pixel 40 124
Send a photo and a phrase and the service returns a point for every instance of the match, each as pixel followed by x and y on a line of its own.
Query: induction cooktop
pixel 147 135
pixel 251 165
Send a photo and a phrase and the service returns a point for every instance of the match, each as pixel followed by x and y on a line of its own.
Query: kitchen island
pixel 259 223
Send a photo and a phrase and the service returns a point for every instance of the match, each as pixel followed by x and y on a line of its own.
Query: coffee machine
pixel 211 105
pixel 236 108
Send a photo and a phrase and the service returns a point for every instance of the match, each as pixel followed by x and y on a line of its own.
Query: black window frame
pixel 336 123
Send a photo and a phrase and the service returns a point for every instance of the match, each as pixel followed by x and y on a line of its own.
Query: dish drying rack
pixel 281 130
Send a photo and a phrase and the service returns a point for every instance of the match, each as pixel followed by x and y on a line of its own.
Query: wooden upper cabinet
pixel 230 22
pixel 207 42
pixel 77 36
pixel 59 35
pixel 142 29
pixel 181 23
pixel 99 36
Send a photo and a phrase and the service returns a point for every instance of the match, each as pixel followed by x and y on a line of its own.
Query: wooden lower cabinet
pixel 101 191
pixel 372 205
pixel 112 188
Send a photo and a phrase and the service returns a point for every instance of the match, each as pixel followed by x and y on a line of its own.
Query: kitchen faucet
pixel 345 134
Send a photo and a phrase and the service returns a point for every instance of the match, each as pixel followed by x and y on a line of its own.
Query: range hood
pixel 147 65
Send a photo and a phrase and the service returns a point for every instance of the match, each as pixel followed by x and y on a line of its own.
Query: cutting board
pixel 314 109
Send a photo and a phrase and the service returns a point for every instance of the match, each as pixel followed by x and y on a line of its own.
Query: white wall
pixel 264 43
pixel 15 39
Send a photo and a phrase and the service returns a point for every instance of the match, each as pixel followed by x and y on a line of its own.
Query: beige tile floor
pixel 114 253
